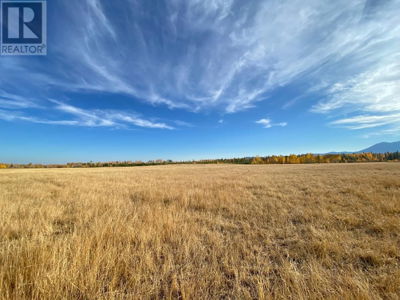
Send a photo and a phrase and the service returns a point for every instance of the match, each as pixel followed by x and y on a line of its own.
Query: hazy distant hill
pixel 383 148
pixel 377 148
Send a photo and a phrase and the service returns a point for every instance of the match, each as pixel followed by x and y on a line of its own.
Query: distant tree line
pixel 327 158
pixel 309 158
pixel 274 159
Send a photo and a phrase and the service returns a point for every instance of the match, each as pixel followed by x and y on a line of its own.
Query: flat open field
pixel 201 232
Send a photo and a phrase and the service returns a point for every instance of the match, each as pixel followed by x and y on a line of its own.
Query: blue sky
pixel 192 79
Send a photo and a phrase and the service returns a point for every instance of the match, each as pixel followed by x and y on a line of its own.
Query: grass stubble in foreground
pixel 201 232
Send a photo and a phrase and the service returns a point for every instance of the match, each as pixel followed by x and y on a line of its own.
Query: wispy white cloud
pixel 376 90
pixel 374 93
pixel 86 118
pixel 14 104
pixel 132 119
pixel 267 123
pixel 17 116
pixel 11 101
pixel 393 131
pixel 98 18
pixel 367 85
pixel 368 121
pixel 257 58
pixel 107 118
pixel 224 54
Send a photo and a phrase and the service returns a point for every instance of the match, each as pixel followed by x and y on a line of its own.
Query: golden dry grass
pixel 201 232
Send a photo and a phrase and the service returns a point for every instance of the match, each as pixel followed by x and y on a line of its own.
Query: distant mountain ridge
pixel 383 147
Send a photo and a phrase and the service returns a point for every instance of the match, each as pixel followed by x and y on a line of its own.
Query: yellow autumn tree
pixel 293 159
pixel 257 161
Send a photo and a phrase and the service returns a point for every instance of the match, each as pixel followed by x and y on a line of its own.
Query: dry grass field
pixel 201 232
